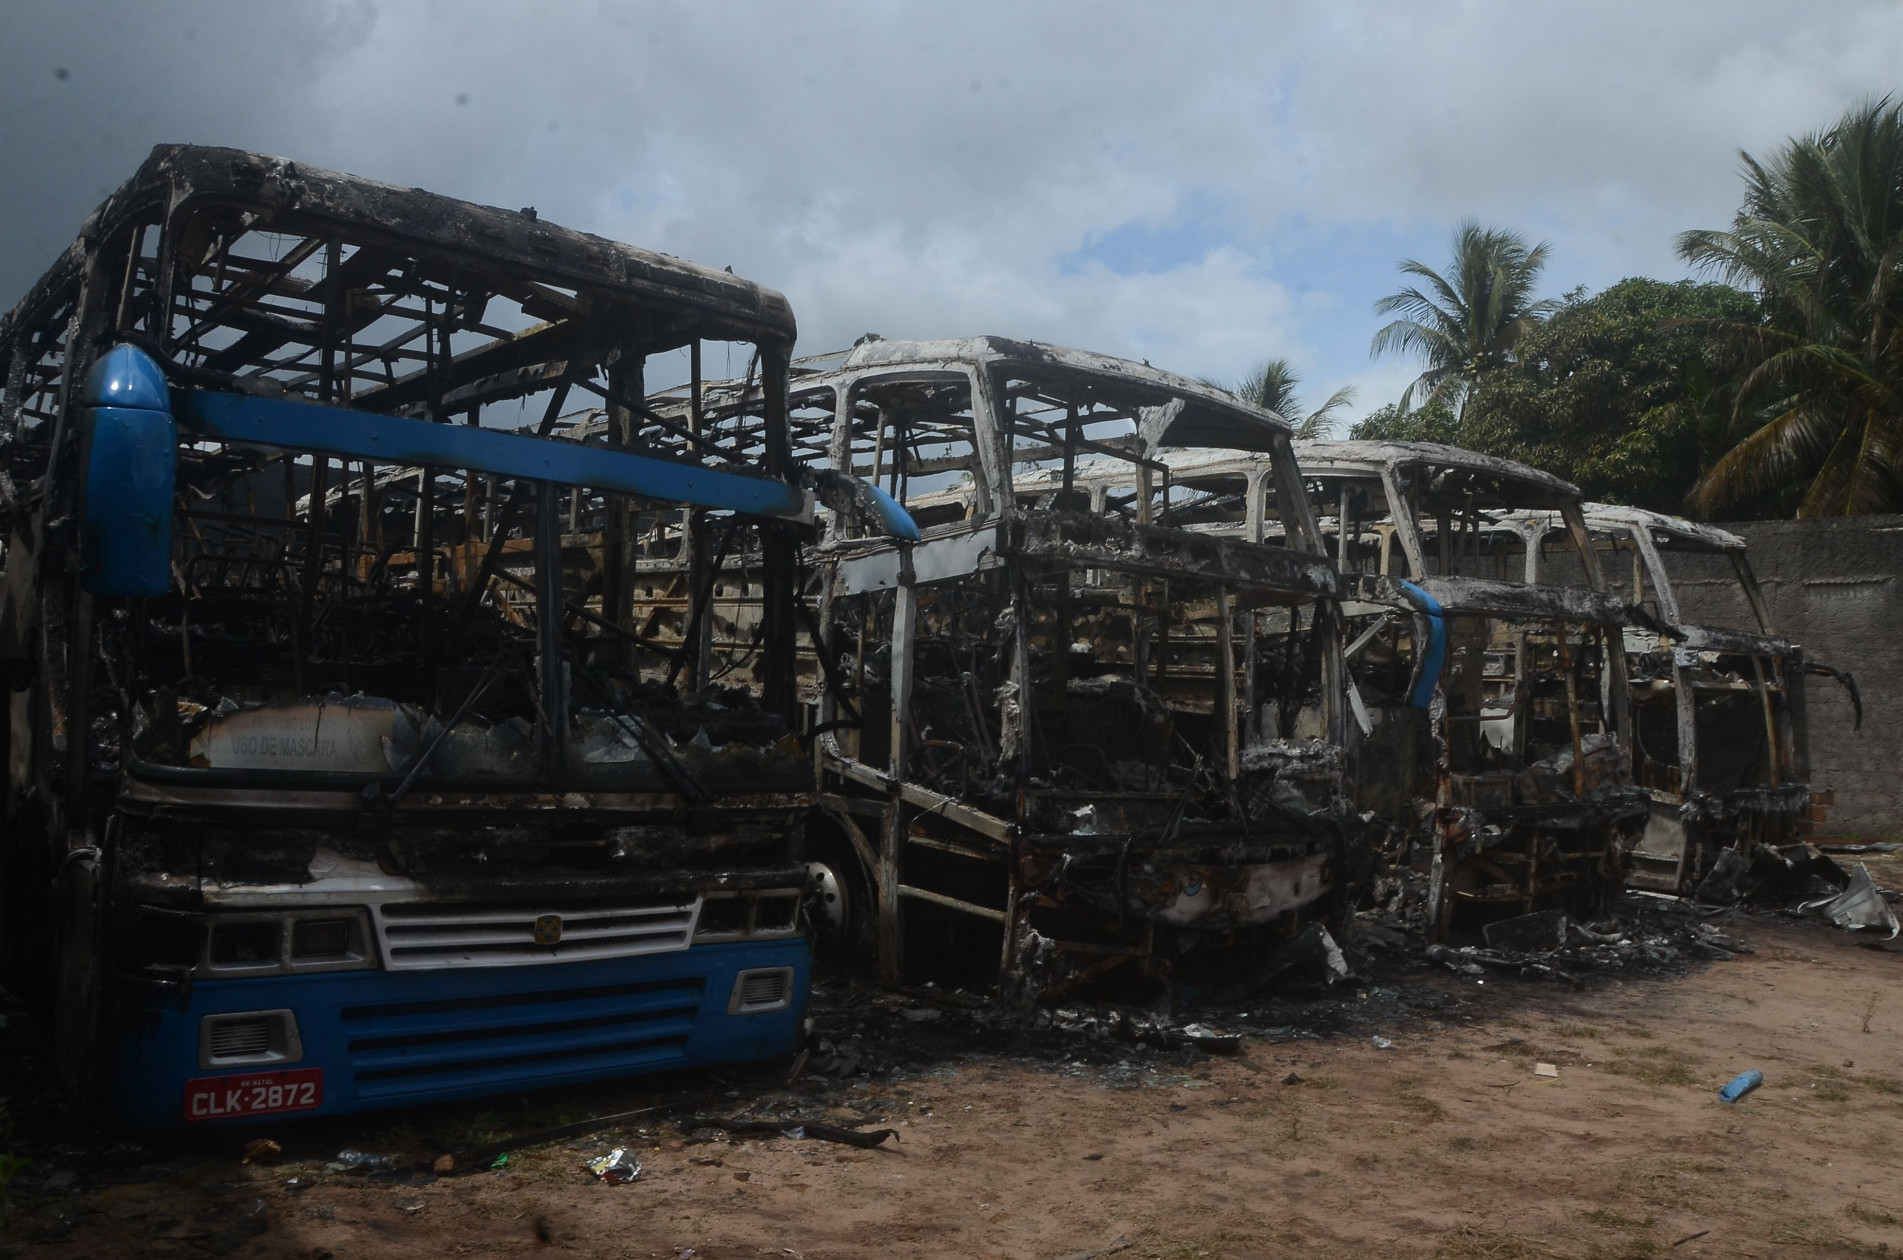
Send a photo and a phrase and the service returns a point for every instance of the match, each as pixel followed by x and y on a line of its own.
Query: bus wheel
pixel 841 907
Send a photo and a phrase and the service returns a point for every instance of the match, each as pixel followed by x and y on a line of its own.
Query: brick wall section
pixel 1836 587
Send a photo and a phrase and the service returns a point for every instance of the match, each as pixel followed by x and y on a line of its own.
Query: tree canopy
pixel 1613 392
pixel 1816 382
pixel 1467 322
pixel 1272 386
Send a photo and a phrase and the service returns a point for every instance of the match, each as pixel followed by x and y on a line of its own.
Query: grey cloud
pixel 926 169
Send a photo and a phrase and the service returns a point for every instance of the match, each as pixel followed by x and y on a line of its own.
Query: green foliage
pixel 1816 386
pixel 1612 391
pixel 1466 323
pixel 1272 387
pixel 1433 421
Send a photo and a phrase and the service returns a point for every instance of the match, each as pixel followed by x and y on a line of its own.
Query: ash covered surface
pixel 875 1058
pixel 1393 980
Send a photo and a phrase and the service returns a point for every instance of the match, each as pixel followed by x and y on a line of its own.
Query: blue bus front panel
pixel 395 1038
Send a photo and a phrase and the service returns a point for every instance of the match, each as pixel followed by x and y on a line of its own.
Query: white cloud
pixel 931 170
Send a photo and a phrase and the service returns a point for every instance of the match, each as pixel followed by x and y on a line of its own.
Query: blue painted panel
pixel 386 1039
pixel 127 529
pixel 399 440
pixel 1423 694
pixel 897 522
pixel 126 376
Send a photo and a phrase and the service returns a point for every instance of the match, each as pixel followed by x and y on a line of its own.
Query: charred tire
pixel 842 909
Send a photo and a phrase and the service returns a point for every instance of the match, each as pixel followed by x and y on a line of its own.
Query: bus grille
pixel 421 934
pixel 236 1038
pixel 506 1039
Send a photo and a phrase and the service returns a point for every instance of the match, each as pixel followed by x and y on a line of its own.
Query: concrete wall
pixel 1833 587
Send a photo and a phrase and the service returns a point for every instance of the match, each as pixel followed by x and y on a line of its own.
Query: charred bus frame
pixel 1714 720
pixel 1038 739
pixel 357 777
pixel 1489 712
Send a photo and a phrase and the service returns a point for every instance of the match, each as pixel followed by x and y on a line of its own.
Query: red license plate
pixel 257 1094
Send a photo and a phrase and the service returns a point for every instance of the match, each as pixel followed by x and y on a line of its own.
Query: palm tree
pixel 1467 322
pixel 1817 398
pixel 1272 387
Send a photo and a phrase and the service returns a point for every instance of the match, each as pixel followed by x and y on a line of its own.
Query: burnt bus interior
pixel 390 657
pixel 1713 735
pixel 1514 764
pixel 1041 738
pixel 1505 774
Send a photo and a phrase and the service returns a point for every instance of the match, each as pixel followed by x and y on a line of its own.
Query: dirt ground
pixel 1446 1143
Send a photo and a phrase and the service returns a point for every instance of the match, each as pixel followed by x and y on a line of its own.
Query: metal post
pixel 550 610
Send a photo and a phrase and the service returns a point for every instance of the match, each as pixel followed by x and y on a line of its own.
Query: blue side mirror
pixel 126 528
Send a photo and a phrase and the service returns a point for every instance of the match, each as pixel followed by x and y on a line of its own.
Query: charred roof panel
pixel 1523 484
pixel 427 223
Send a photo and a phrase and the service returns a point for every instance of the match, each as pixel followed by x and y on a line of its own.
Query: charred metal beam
pixel 1462 596
pixel 1079 540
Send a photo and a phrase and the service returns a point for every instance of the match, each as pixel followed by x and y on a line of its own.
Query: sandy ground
pixel 1446 1144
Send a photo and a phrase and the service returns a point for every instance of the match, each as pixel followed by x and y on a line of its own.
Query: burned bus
pixel 1039 726
pixel 1714 722
pixel 360 762
pixel 1488 713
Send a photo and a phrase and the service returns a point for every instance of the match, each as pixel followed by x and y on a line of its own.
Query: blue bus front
pixel 353 983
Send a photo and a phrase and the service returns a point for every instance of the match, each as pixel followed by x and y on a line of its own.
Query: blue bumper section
pixel 386 1039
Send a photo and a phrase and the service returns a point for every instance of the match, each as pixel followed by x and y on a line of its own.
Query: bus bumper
pixel 372 1038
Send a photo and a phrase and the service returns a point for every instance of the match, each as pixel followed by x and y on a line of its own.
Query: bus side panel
pixel 385 1039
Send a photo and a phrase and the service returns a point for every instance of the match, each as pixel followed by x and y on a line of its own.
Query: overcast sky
pixel 1202 186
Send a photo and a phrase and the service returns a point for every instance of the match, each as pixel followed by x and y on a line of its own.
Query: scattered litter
pixel 486 1156
pixel 1652 933
pixel 1724 883
pixel 1312 957
pixel 1881 846
pixel 796 1129
pixel 1208 1039
pixel 1546 1069
pixel 355 1160
pixel 257 1150
pixel 1859 905
pixel 1741 1085
pixel 1529 933
pixel 1158 1031
pixel 1382 1043
pixel 617 1167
